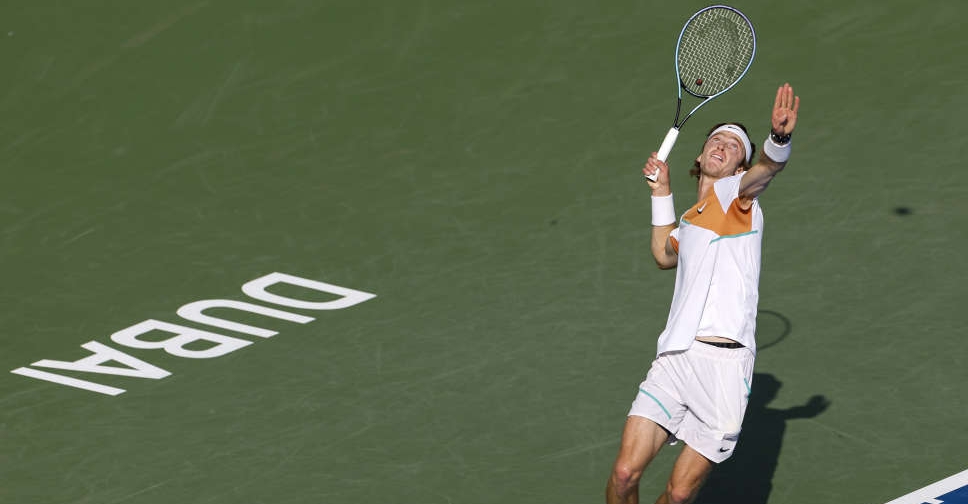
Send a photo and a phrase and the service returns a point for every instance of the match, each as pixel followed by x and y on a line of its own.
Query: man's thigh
pixel 641 441
pixel 688 474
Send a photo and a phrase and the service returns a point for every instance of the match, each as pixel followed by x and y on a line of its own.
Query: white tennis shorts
pixel 699 396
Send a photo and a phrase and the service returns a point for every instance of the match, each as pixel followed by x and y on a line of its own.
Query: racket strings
pixel 714 52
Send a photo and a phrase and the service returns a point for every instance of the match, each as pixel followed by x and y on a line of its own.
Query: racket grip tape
pixel 666 147
pixel 667 143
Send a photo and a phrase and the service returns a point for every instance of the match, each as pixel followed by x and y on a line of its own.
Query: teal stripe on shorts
pixel 657 402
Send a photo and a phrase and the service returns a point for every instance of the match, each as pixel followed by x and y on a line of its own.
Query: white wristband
pixel 663 211
pixel 776 152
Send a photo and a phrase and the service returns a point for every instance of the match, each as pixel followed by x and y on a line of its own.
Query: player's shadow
pixel 747 476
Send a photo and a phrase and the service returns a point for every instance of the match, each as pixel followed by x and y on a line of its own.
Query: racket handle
pixel 666 148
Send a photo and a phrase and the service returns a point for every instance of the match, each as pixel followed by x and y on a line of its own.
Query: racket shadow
pixel 771 328
pixel 747 476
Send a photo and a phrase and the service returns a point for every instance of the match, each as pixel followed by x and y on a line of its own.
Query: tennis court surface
pixel 427 223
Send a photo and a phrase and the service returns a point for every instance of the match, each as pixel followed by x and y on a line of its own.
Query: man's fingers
pixel 785 98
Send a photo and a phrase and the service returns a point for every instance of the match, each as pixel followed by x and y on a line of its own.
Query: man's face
pixel 723 155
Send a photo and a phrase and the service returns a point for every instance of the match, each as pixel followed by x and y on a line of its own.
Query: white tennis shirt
pixel 718 274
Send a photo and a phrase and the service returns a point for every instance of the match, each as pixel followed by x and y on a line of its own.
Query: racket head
pixel 715 50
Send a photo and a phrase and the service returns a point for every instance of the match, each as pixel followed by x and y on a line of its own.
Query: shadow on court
pixel 771 328
pixel 747 476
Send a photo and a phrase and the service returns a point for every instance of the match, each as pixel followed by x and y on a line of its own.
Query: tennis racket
pixel 714 51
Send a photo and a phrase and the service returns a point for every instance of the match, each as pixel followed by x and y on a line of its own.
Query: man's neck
pixel 705 186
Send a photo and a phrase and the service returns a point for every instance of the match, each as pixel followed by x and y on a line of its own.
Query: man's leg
pixel 688 475
pixel 641 441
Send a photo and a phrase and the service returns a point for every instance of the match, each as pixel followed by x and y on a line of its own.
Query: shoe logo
pixel 723 450
pixel 703 207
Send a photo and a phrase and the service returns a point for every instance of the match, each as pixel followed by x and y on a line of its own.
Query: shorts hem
pixel 716 458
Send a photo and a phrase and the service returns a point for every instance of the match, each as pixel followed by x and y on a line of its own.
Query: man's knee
pixel 681 494
pixel 625 476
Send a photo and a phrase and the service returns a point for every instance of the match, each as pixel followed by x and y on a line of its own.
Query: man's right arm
pixel 665 254
pixel 663 213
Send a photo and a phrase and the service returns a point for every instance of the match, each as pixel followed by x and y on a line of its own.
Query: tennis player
pixel 698 386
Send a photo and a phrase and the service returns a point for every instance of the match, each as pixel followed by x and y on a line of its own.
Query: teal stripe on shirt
pixel 734 236
pixel 684 221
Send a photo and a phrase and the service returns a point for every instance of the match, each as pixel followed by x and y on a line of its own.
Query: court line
pixel 930 493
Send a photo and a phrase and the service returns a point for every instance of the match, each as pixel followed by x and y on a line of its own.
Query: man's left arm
pixel 776 149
